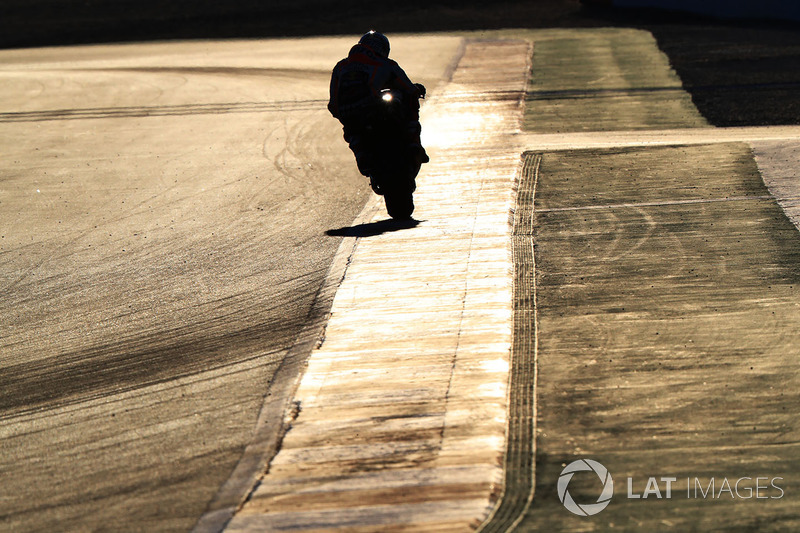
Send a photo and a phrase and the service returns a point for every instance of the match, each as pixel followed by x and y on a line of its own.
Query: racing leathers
pixel 356 85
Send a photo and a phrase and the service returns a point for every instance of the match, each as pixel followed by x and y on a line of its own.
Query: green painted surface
pixel 604 80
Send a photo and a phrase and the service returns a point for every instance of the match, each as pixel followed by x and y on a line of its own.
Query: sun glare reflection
pixel 447 130
pixel 495 365
pixel 493 390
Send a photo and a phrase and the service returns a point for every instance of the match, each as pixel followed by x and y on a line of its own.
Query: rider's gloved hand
pixel 421 89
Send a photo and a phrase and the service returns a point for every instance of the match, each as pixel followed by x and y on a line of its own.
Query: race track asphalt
pixel 163 218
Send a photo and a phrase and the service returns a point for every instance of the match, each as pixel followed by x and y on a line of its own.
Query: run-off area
pixel 667 291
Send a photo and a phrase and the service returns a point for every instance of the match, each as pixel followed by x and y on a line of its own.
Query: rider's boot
pixel 364 162
pixel 376 188
pixel 414 132
pixel 355 140
pixel 422 155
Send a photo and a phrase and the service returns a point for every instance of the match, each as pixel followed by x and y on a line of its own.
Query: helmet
pixel 377 42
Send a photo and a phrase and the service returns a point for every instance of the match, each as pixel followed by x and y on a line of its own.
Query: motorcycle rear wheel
pixel 399 205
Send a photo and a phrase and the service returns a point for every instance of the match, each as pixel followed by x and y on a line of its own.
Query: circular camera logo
pixel 587 509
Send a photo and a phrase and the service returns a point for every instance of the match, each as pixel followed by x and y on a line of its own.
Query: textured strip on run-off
pixel 402 412
pixel 521 445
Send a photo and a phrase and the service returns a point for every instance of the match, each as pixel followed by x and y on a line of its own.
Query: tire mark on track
pixel 160 111
pixel 147 358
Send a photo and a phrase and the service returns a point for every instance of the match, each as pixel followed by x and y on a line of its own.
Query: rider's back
pixel 357 81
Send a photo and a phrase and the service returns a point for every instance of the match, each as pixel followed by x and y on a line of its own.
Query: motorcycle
pixel 394 163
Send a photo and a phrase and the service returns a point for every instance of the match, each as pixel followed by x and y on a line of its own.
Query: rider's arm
pixel 400 80
pixel 333 103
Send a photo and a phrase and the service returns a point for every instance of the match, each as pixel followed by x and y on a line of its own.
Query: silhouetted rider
pixel 356 85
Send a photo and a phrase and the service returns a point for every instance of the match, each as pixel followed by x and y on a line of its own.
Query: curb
pixel 410 432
